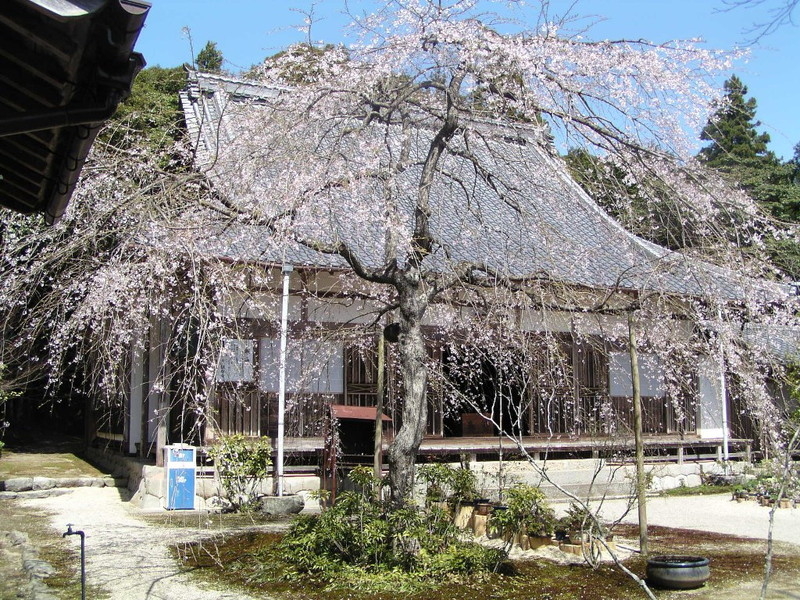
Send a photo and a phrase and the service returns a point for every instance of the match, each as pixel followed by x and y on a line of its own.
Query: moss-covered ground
pixel 252 563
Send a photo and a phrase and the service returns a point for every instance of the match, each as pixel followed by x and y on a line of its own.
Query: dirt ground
pixel 129 558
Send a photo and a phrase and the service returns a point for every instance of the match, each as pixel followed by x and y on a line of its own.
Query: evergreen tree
pixel 732 131
pixel 740 153
pixel 210 58
pixel 151 116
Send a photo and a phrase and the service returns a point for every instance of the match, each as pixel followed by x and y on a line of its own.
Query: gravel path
pixel 715 513
pixel 127 557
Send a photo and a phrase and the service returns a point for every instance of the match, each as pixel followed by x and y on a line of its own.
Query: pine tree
pixel 740 153
pixel 732 130
pixel 210 58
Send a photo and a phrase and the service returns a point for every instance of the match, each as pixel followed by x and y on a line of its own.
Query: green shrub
pixel 579 518
pixel 527 512
pixel 443 482
pixel 359 532
pixel 241 465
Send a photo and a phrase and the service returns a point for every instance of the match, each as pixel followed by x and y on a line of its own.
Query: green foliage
pixel 527 512
pixel 210 58
pixel 580 518
pixel 150 118
pixel 739 152
pixel 359 534
pixel 770 482
pixel 648 209
pixel 732 130
pixel 241 465
pixel 443 482
pixel 705 489
pixel 793 382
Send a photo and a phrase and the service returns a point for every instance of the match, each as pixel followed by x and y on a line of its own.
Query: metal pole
pixel 722 391
pixel 287 271
pixel 70 531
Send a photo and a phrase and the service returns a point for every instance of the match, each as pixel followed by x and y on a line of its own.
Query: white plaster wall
pixel 710 414
pixel 341 311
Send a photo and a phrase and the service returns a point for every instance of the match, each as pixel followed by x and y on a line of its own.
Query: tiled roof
pixel 544 226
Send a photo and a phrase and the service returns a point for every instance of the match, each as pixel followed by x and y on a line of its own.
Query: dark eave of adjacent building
pixel 64 67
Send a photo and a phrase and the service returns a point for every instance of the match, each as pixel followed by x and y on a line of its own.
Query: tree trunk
pixel 411 347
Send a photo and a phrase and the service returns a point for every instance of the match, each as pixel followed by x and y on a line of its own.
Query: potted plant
pixel 527 518
pixel 436 478
pixel 579 524
pixel 451 489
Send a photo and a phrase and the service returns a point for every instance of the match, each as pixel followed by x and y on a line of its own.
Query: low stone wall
pixel 36 484
pixel 588 477
pixel 147 482
pixel 582 477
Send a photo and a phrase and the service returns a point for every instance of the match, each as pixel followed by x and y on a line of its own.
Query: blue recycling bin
pixel 179 462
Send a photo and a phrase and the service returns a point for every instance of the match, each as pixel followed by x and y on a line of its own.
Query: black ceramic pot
pixel 677 572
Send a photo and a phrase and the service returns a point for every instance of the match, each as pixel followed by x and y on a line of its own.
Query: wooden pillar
pixel 135 401
pixel 159 369
pixel 641 479
pixel 381 385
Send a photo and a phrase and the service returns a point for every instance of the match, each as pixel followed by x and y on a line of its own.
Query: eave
pixel 64 67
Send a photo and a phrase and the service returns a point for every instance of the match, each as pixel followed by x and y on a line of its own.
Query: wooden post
pixel 163 397
pixel 378 458
pixel 641 479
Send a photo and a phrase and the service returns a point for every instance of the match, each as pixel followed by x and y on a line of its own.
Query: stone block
pixel 36 567
pixel 150 503
pixel 155 483
pixel 207 487
pixel 463 517
pixel 692 480
pixel 479 524
pixel 43 483
pixel 66 482
pixel 19 484
pixel 282 505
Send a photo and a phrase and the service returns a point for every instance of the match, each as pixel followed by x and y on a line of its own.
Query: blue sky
pixel 249 30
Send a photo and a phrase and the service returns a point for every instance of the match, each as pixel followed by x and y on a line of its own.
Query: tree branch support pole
pixel 287 271
pixel 381 384
pixel 641 477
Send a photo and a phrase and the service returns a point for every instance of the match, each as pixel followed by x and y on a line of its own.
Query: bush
pixel 371 536
pixel 443 482
pixel 241 465
pixel 580 519
pixel 527 512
